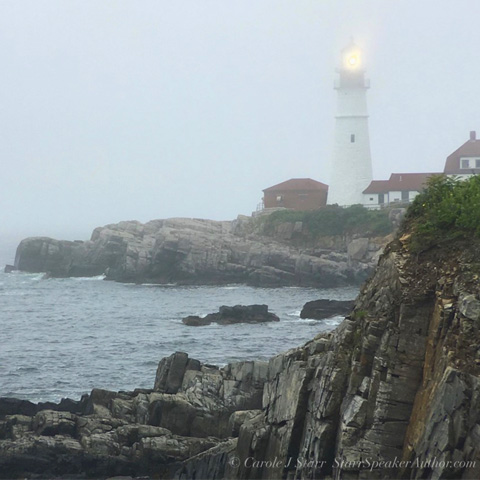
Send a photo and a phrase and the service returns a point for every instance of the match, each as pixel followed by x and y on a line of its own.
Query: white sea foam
pixel 87 279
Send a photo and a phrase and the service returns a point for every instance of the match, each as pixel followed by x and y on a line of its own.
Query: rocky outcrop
pixel 393 392
pixel 231 315
pixel 193 251
pixel 192 409
pixel 324 308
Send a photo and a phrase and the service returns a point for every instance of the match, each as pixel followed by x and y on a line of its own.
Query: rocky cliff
pixel 393 392
pixel 202 252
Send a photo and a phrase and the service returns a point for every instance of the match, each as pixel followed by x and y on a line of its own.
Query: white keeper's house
pixel 399 188
pixel 402 188
pixel 465 161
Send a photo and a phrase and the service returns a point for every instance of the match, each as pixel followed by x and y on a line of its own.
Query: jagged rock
pixel 51 423
pixel 15 406
pixel 11 406
pixel 9 268
pixel 238 418
pixel 194 251
pixel 231 315
pixel 171 370
pixel 320 309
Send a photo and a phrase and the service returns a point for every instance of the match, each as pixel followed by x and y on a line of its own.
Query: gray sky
pixel 118 110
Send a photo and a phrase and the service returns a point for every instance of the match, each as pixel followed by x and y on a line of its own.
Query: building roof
pixel 303 184
pixel 470 148
pixel 413 182
pixel 377 186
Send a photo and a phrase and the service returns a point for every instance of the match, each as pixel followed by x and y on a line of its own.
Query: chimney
pixel 473 135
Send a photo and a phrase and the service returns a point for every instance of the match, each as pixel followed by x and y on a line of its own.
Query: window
pixel 405 196
pixel 352 138
pixel 371 199
pixel 477 163
pixel 465 163
pixel 279 198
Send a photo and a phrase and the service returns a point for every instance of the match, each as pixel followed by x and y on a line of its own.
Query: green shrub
pixel 449 208
pixel 333 220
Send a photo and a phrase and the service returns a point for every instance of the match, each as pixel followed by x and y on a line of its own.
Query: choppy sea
pixel 62 337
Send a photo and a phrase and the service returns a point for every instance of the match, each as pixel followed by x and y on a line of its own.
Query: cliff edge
pixel 195 251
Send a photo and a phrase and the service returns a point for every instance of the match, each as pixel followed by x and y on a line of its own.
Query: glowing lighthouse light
pixel 351 58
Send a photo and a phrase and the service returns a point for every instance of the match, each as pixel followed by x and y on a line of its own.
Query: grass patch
pixel 333 220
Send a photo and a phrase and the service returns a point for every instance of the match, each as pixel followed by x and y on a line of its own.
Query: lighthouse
pixel 352 163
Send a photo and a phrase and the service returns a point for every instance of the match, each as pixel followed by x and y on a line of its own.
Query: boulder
pixel 231 315
pixel 358 248
pixel 470 307
pixel 324 308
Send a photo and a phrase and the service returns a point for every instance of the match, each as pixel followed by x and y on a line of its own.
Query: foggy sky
pixel 118 110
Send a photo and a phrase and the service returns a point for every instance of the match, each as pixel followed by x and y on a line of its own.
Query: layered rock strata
pixel 191 409
pixel 193 251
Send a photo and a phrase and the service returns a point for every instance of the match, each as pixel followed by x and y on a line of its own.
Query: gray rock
pixel 324 308
pixel 358 248
pixel 194 251
pixel 470 307
pixel 170 372
pixel 232 315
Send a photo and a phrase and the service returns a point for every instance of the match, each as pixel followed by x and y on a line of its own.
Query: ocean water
pixel 62 337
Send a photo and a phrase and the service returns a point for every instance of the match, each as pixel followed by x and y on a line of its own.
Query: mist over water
pixel 62 337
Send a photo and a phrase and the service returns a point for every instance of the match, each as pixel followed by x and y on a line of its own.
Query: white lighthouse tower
pixel 352 163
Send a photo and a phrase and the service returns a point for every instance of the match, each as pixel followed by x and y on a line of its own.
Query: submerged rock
pixel 231 315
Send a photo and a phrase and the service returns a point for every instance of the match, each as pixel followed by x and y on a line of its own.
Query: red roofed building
pixel 399 188
pixel 296 194
pixel 465 161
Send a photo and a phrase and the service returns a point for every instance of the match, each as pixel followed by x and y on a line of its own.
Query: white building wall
pixel 351 164
pixel 370 200
pixel 412 195
pixel 394 196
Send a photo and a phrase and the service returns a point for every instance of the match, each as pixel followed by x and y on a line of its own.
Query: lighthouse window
pixel 352 138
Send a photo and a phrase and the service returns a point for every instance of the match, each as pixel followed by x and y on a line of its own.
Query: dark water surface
pixel 62 337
